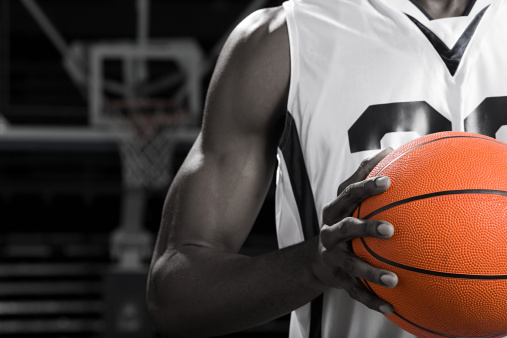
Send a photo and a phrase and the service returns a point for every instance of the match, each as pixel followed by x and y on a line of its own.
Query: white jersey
pixel 367 74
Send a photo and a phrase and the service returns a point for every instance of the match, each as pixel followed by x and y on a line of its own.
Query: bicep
pixel 215 197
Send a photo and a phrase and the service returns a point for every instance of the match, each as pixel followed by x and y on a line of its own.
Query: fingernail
pixel 385 309
pixel 388 280
pixel 382 181
pixel 385 229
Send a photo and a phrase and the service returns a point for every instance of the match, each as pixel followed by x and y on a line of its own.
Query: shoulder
pixel 259 41
pixel 261 27
pixel 253 70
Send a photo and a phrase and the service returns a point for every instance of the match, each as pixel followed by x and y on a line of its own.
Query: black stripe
pixel 469 8
pixel 428 330
pixel 430 272
pixel 435 194
pixel 294 159
pixel 422 144
pixel 316 317
pixel 451 57
pixel 293 155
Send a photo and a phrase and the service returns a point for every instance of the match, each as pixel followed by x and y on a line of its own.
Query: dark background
pixel 59 202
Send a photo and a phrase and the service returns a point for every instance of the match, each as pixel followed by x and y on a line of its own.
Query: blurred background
pixel 100 102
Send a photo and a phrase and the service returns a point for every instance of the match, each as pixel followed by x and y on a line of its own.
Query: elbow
pixel 155 306
pixel 155 309
pixel 163 310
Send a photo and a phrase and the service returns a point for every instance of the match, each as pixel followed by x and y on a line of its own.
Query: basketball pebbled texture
pixel 448 205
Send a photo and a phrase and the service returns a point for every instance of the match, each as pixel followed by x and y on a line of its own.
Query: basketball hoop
pixel 147 149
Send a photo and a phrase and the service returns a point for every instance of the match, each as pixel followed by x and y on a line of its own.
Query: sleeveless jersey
pixel 365 75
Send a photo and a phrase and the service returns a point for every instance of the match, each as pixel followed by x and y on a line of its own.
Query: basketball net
pixel 146 152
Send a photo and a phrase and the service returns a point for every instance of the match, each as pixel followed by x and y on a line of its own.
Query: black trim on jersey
pixel 469 8
pixel 451 57
pixel 293 155
pixel 426 14
pixel 294 159
pixel 317 307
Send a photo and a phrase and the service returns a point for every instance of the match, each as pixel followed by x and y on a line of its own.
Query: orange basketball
pixel 448 205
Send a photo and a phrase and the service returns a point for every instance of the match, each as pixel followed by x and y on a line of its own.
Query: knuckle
pixel 328 207
pixel 325 232
pixel 349 265
pixel 364 188
pixel 370 228
pixel 326 228
pixel 348 191
pixel 357 191
pixel 325 211
pixel 364 168
pixel 372 276
pixel 364 163
pixel 371 183
pixel 342 186
pixel 344 226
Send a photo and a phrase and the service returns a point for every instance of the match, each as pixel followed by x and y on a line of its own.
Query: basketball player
pixel 315 86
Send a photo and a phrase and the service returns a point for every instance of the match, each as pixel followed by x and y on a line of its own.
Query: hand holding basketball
pixel 338 266
pixel 448 206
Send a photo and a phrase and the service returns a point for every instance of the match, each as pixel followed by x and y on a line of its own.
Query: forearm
pixel 200 292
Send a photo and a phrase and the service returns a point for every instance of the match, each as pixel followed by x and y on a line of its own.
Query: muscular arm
pixel 198 283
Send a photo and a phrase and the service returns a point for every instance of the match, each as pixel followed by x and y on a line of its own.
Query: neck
pixel 439 9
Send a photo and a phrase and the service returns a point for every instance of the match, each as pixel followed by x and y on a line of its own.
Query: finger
pixel 361 294
pixel 354 266
pixel 345 204
pixel 350 228
pixel 364 169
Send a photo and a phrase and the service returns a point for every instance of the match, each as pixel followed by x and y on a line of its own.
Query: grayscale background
pixel 77 217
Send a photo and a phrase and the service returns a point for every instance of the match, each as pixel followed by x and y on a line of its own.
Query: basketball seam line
pixel 422 144
pixel 434 194
pixel 430 272
pixel 428 330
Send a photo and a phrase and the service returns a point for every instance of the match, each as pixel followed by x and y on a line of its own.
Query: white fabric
pixel 347 55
